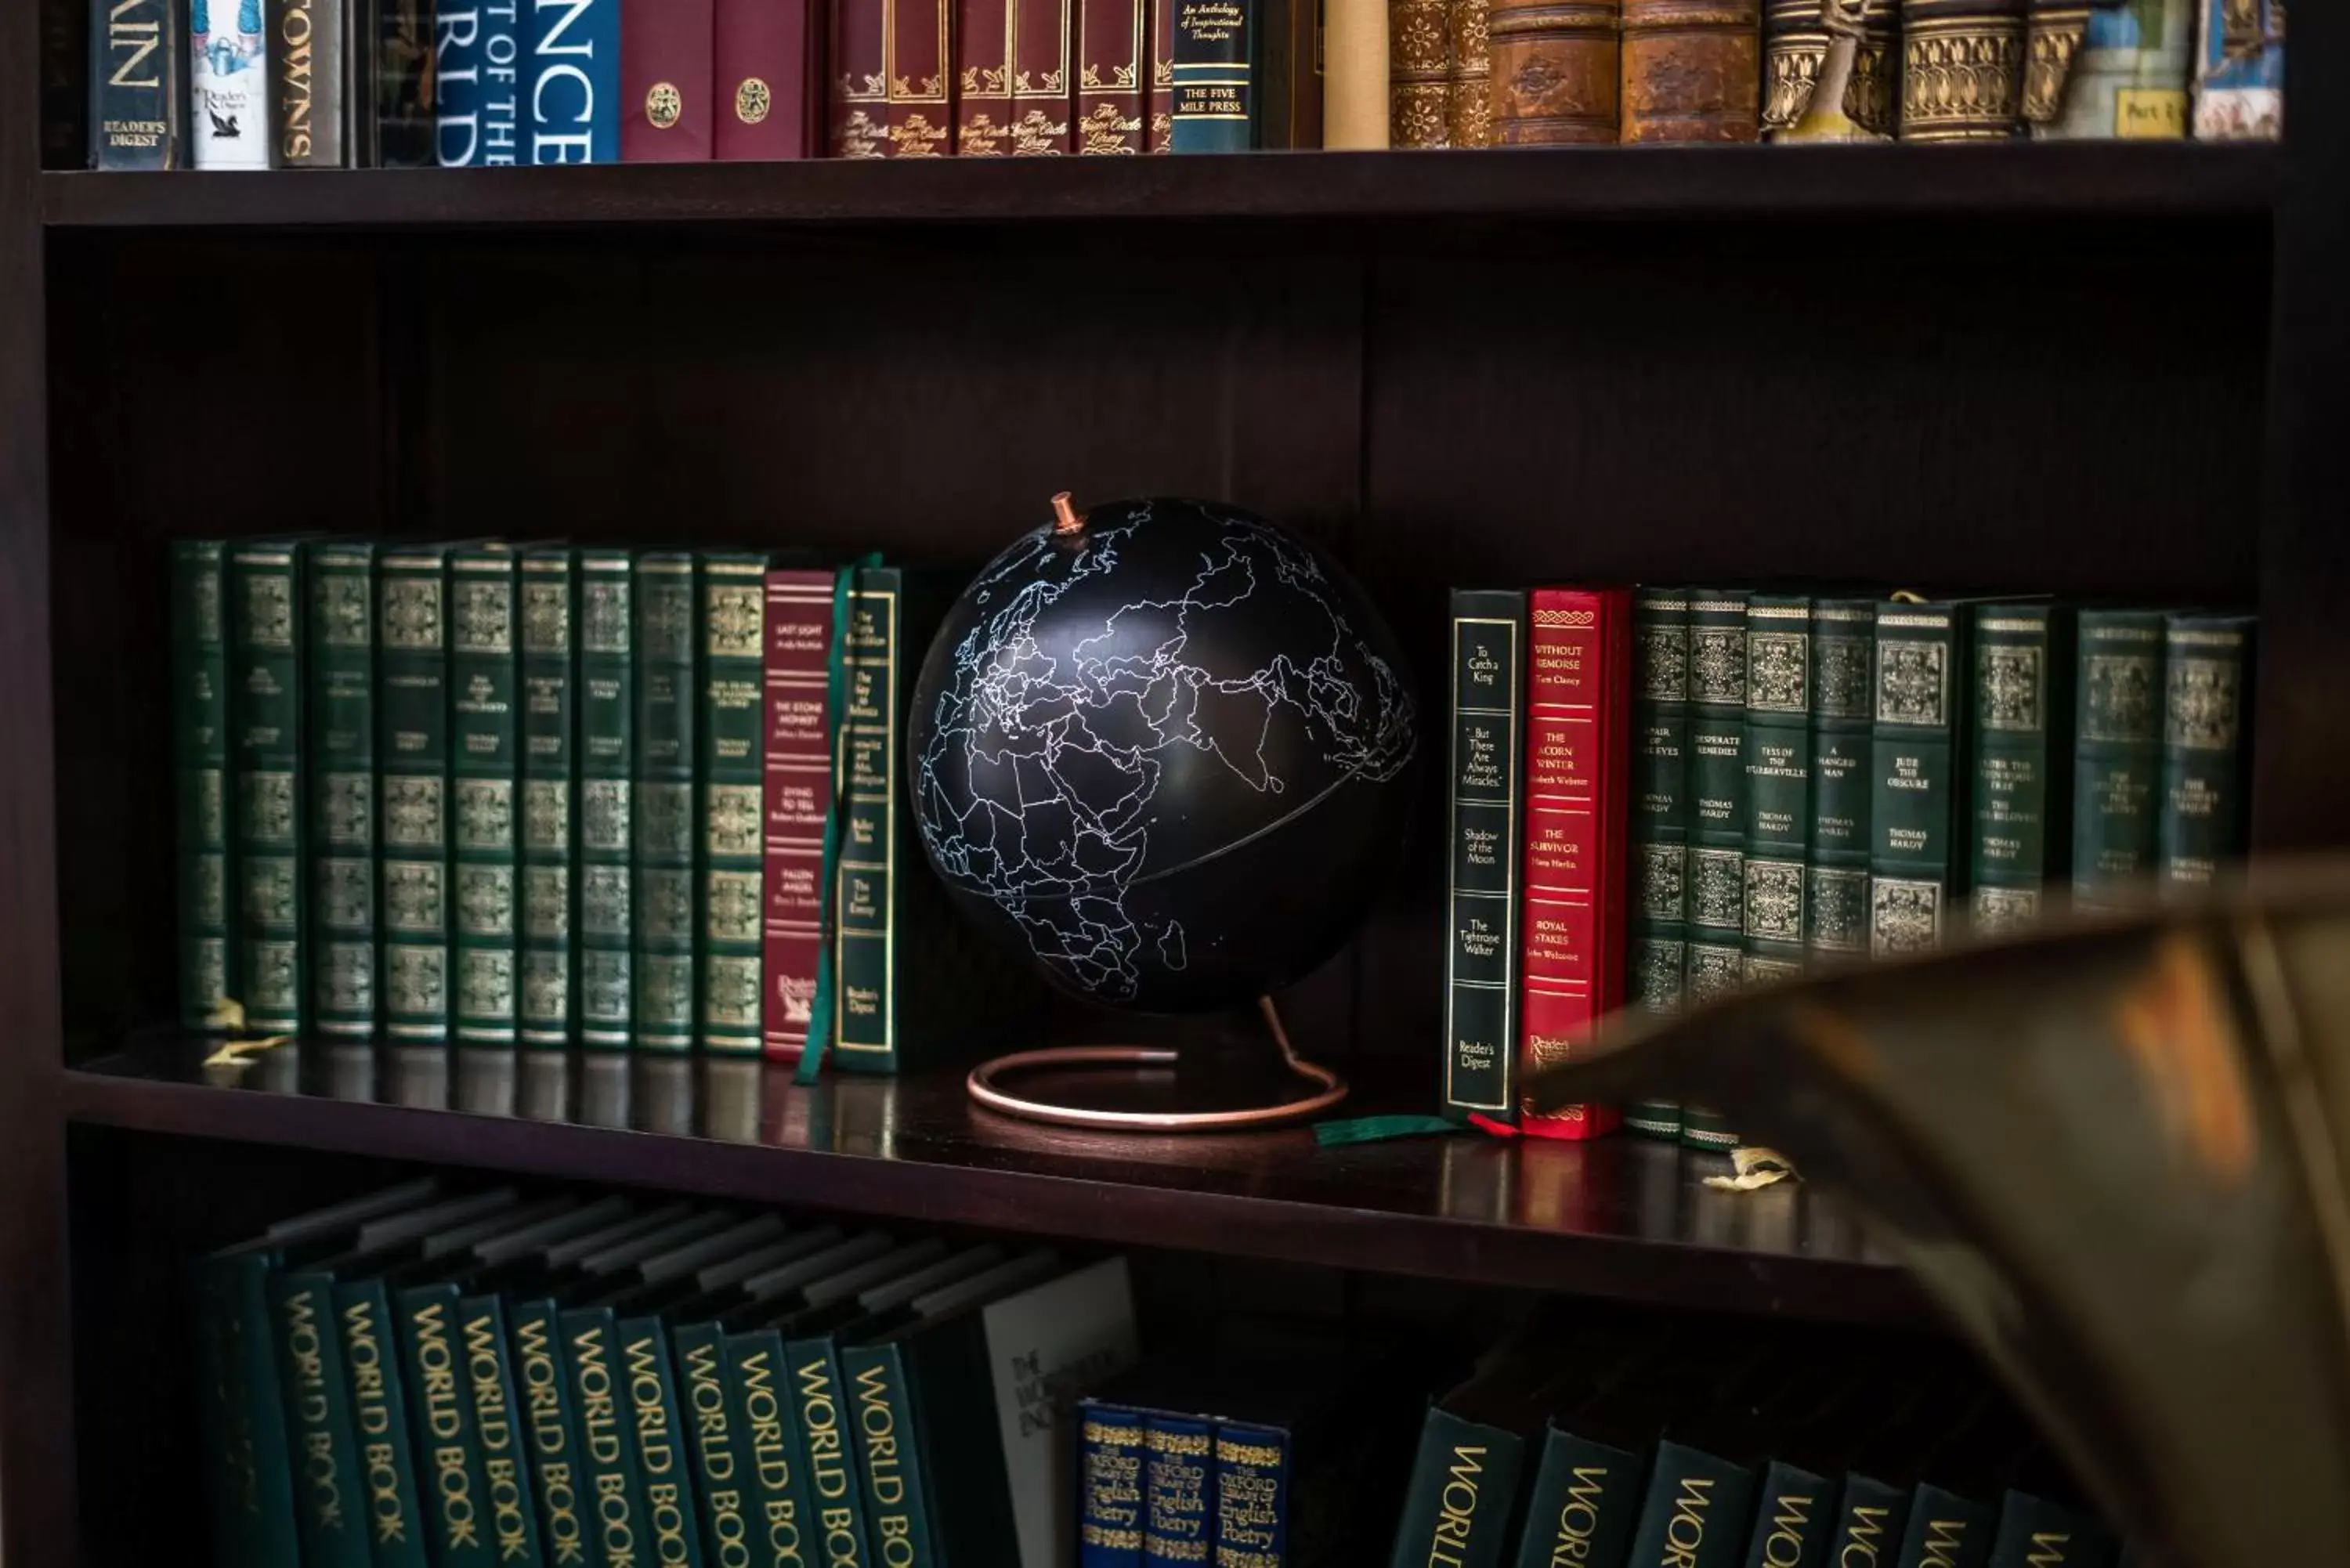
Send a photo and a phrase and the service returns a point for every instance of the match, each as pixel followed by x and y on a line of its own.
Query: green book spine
pixel 340 723
pixel 1696 1513
pixel 1458 1504
pixel 1179 1501
pixel 2036 1533
pixel 506 1460
pixel 200 735
pixel 245 1415
pixel 665 1464
pixel 545 1006
pixel 1871 1520
pixel 2117 752
pixel 379 1426
pixel 557 1480
pixel 485 746
pixel 730 812
pixel 448 1450
pixel 1835 883
pixel 664 815
pixel 413 764
pixel 835 1496
pixel 1480 1023
pixel 328 1516
pixel 1717 816
pixel 721 1468
pixel 1583 1506
pixel 607 765
pixel 1795 1514
pixel 2021 798
pixel 1915 783
pixel 888 1461
pixel 788 1527
pixel 1947 1530
pixel 1661 821
pixel 2199 823
pixel 1778 783
pixel 606 1436
pixel 265 672
pixel 865 900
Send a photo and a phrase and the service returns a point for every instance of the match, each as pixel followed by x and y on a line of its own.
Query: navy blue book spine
pixel 570 110
pixel 138 85
pixel 1214 100
pixel 1179 1493
pixel 1252 1503
pixel 1109 1481
pixel 477 82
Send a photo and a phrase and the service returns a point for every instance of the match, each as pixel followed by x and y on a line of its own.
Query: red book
pixel 665 99
pixel 1043 40
pixel 760 74
pixel 1163 76
pixel 797 796
pixel 857 79
pixel 984 61
pixel 921 108
pixel 1578 696
pixel 1112 76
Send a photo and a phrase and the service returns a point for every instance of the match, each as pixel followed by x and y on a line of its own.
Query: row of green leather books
pixel 426 1379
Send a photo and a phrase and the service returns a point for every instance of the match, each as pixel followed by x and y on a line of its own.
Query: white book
pixel 228 102
pixel 1047 1347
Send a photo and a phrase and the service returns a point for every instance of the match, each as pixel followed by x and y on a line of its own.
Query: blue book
pixel 571 81
pixel 1178 1498
pixel 1252 1491
pixel 1214 100
pixel 1110 1486
pixel 477 75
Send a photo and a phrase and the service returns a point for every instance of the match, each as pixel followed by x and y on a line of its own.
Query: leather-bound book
pixel 1692 70
pixel 1420 72
pixel 1112 68
pixel 1797 44
pixel 1355 77
pixel 1160 102
pixel 1468 103
pixel 1961 70
pixel 760 71
pixel 920 108
pixel 1042 46
pixel 665 76
pixel 1555 73
pixel 983 63
pixel 1289 72
pixel 856 80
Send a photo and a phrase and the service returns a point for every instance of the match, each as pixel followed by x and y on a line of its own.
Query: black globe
pixel 1165 753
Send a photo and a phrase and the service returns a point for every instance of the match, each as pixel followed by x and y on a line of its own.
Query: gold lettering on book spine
pixel 1961 75
pixel 1469 103
pixel 2052 40
pixel 1419 54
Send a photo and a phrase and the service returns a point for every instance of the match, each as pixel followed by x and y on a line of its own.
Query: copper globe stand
pixel 1328 1088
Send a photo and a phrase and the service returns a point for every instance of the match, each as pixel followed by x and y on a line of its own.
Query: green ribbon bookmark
pixel 1379 1129
pixel 836 695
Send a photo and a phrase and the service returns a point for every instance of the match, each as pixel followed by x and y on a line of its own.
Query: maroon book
pixel 856 81
pixel 760 74
pixel 984 61
pixel 1042 49
pixel 797 795
pixel 1163 76
pixel 921 106
pixel 1112 72
pixel 665 107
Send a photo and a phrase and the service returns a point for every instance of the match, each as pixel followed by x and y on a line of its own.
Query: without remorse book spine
pixel 266 654
pixel 1489 666
pixel 209 907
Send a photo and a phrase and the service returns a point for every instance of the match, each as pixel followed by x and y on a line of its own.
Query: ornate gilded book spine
pixel 571 74
pixel 1252 1495
pixel 413 777
pixel 1109 1486
pixel 1692 70
pixel 228 91
pixel 2200 820
pixel 1961 70
pixel 1716 906
pixel 345 962
pixel 1161 98
pixel 665 899
pixel 1835 880
pixel 483 675
pixel 2240 71
pixel 857 79
pixel 266 638
pixel 920 106
pixel 2117 752
pixel 1215 93
pixel 1556 71
pixel 2127 79
pixel 759 73
pixel 1778 783
pixel 1111 77
pixel 307 54
pixel 732 752
pixel 2022 797
pixel 984 96
pixel 200 735
pixel 666 54
pixel 607 760
pixel 797 800
pixel 1043 46
pixel 1796 45
pixel 865 900
pixel 1419 70
pixel 138 85
pixel 1657 912
pixel 1916 752
pixel 1489 665
pixel 545 1002
pixel 1468 103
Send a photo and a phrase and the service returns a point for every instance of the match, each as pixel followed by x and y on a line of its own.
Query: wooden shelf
pixel 1618 1218
pixel 2084 180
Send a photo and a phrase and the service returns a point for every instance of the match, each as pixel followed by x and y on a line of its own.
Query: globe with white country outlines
pixel 1165 751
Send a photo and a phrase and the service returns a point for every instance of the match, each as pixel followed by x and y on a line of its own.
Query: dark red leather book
pixel 1577 720
pixel 857 79
pixel 797 794
pixel 1161 101
pixel 1113 74
pixel 921 95
pixel 982 38
pixel 759 50
pixel 665 99
pixel 1043 39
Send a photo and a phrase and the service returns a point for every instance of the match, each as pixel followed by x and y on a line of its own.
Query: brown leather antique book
pixel 1420 71
pixel 1043 39
pixel 1556 67
pixel 1961 70
pixel 922 106
pixel 1468 104
pixel 1112 77
pixel 1796 42
pixel 1692 70
pixel 982 113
